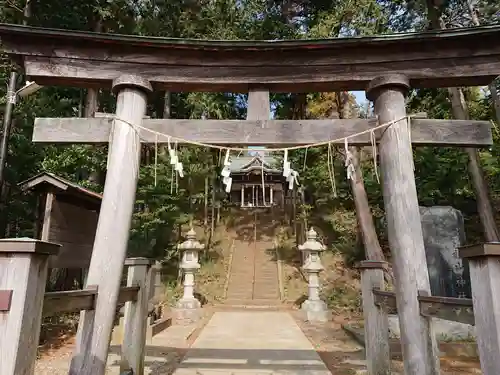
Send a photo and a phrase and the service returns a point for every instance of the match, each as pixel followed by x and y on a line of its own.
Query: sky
pixel 360 96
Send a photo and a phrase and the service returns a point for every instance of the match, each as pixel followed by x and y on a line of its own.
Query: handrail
pixel 71 301
pixel 447 308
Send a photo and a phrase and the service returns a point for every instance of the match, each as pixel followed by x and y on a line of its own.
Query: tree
pixel 460 111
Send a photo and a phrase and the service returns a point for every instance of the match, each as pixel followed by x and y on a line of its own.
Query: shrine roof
pixel 444 58
pixel 47 181
pixel 244 164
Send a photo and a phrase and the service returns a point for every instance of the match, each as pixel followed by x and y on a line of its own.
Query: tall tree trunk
pixel 484 208
pixel 212 211
pixel 373 250
pixel 167 105
pixel 91 106
pixel 496 100
pixel 205 210
pixel 460 112
pixel 492 86
pixel 27 12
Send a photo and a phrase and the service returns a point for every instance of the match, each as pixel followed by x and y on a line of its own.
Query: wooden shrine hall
pixel 386 67
pixel 257 181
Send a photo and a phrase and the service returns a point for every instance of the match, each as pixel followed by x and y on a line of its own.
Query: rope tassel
pixel 373 141
pixel 349 162
pixel 226 173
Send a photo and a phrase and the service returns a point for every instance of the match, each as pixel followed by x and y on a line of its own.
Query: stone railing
pixel 23 303
pixel 483 310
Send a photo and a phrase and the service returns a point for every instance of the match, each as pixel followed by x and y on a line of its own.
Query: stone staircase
pixel 253 279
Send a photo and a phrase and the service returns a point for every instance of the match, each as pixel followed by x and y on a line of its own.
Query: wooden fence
pixel 483 310
pixel 23 304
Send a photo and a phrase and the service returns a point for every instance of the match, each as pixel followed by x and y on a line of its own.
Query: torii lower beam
pixel 424 132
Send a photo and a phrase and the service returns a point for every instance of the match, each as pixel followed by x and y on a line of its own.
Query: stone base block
pixel 188 304
pixel 315 311
pixel 186 316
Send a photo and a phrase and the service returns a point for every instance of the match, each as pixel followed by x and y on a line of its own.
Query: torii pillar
pixel 418 342
pixel 110 245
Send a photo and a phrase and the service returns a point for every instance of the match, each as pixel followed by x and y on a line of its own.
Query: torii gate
pixel 384 66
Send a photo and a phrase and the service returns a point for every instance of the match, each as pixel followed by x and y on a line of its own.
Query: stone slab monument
pixel 443 231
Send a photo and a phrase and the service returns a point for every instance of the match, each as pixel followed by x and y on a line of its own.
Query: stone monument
pixel 314 308
pixel 443 232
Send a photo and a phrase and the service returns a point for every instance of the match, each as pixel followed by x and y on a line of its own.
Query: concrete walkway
pixel 251 343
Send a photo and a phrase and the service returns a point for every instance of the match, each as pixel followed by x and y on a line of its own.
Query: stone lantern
pixel 314 307
pixel 189 265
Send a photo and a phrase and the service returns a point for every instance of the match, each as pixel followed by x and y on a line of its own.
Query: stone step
pixel 265 276
pixel 266 290
pixel 238 298
pixel 241 287
pixel 244 291
pixel 240 294
pixel 254 273
pixel 263 279
pixel 242 271
pixel 270 297
pixel 266 283
pixel 242 277
pixel 270 283
pixel 271 292
pixel 255 302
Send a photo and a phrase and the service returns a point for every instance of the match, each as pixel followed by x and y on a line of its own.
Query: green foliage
pixel 164 203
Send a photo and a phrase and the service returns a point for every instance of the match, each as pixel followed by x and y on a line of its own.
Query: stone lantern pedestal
pixel 188 307
pixel 314 308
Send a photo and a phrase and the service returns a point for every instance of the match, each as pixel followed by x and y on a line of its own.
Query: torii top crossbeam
pixel 460 57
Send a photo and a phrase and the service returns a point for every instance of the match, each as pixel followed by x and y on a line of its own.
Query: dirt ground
pixel 341 354
pixel 162 355
pixel 345 357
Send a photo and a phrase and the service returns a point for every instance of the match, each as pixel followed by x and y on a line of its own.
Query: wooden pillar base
pixel 484 264
pixel 136 316
pixel 378 356
pixel 420 352
pixel 23 274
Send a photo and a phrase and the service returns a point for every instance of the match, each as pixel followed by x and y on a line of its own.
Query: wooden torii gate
pixel 386 67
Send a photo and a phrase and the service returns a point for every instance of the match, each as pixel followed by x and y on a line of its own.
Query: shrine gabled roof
pixel 244 164
pixel 445 58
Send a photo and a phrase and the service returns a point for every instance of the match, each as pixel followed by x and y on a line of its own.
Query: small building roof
pixel 46 181
pixel 244 164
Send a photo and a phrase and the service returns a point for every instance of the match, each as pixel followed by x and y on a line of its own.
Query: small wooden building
pixel 248 190
pixel 67 214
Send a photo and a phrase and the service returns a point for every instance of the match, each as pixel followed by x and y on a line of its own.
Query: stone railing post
pixel 23 274
pixel 314 308
pixel 484 265
pixel 157 290
pixel 376 321
pixel 136 316
pixel 188 306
